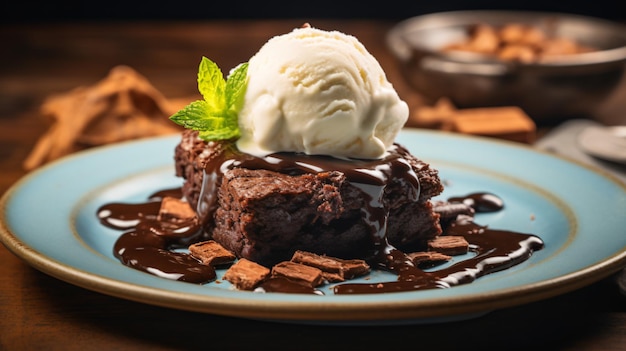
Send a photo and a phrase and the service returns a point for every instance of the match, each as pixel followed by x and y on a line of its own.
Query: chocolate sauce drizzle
pixel 494 250
pixel 149 242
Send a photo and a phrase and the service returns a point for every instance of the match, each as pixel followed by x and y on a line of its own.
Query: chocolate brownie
pixel 265 216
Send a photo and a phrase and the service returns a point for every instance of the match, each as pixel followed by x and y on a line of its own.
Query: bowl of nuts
pixel 552 65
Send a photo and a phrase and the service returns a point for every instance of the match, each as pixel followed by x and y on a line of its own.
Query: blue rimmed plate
pixel 48 219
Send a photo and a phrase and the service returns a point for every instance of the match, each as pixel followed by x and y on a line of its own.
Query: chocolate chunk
pixel 173 209
pixel 449 245
pixel 307 275
pixel 245 274
pixel 425 259
pixel 211 253
pixel 333 269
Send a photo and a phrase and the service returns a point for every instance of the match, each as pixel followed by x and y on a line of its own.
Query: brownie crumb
pixel 245 274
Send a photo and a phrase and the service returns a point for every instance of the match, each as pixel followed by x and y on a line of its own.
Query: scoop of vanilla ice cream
pixel 318 92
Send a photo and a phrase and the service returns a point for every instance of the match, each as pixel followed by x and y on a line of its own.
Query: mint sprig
pixel 215 117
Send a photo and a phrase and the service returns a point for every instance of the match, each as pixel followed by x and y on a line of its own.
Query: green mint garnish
pixel 215 117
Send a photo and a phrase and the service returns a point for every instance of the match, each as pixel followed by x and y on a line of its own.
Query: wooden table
pixel 38 312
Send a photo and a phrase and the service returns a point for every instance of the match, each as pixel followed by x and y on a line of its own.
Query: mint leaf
pixel 194 116
pixel 236 86
pixel 216 116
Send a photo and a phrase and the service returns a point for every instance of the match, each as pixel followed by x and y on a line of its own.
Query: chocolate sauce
pixel 148 244
pixel 480 202
pixel 146 251
pixel 284 285
pixel 495 250
pixel 126 216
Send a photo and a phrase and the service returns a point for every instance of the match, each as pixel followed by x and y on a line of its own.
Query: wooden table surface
pixel 38 312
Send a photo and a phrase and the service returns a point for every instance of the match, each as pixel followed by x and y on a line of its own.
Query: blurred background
pixel 21 11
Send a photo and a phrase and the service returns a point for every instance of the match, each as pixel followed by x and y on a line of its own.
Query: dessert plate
pixel 48 219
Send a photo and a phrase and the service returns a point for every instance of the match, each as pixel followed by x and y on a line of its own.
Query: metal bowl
pixel 572 86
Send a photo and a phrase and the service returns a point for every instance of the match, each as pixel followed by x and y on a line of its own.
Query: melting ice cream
pixel 319 92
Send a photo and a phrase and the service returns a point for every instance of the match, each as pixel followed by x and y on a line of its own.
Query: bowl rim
pixel 396 37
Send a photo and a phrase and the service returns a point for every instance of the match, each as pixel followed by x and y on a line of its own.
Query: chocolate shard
pixel 211 253
pixel 173 209
pixel 307 275
pixel 245 274
pixel 425 259
pixel 333 269
pixel 449 245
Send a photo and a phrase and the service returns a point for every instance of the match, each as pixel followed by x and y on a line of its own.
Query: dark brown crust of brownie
pixel 266 216
pixel 190 156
